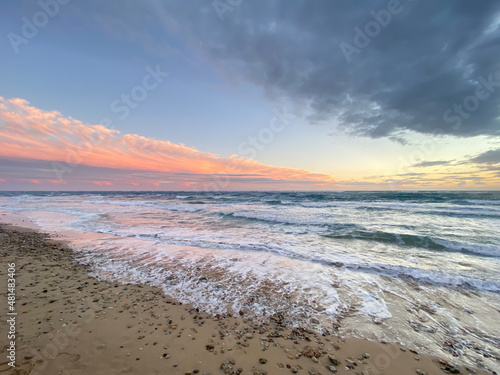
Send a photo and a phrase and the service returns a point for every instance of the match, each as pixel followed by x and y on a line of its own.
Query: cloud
pixel 460 180
pixel 29 133
pixel 57 182
pixel 431 163
pixel 102 183
pixel 430 57
pixel 488 157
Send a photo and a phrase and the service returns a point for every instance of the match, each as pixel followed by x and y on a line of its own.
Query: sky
pixel 249 95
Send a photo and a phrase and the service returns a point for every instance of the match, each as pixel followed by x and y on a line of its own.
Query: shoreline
pixel 71 322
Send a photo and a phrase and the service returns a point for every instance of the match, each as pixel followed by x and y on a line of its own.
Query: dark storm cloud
pixel 433 68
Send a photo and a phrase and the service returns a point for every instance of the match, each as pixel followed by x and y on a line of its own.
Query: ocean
pixel 417 268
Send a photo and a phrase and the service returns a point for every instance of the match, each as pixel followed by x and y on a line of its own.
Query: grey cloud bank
pixel 488 157
pixel 416 73
pixel 431 163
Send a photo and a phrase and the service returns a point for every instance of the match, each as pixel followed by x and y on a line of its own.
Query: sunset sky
pixel 249 95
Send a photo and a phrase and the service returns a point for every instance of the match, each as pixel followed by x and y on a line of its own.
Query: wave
pixel 336 261
pixel 199 197
pixel 170 206
pixel 430 277
pixel 483 202
pixel 278 219
pixel 412 240
pixel 487 209
pixel 345 230
pixel 394 238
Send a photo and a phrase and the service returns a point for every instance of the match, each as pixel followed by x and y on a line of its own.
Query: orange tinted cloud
pixel 32 133
pixel 57 182
pixel 102 183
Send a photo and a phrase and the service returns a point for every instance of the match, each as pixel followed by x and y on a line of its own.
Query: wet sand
pixel 71 323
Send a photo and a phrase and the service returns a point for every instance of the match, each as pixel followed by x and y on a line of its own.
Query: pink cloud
pixel 57 182
pixel 102 183
pixel 34 134
pixel 145 183
pixel 3 180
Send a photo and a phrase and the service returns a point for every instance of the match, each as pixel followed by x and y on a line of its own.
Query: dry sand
pixel 71 323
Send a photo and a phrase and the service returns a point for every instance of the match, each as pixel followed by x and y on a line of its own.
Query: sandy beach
pixel 71 323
